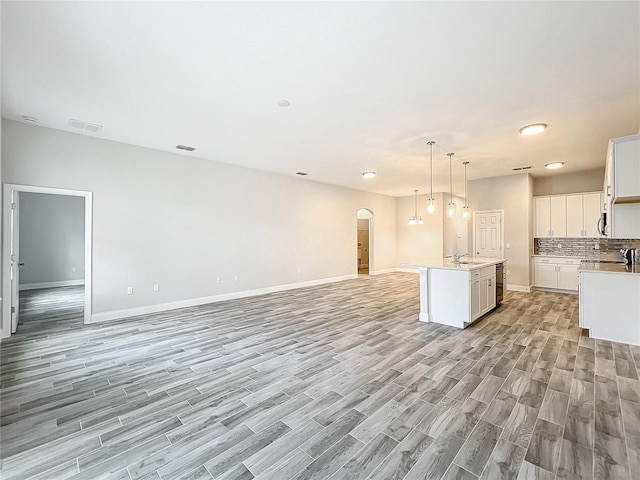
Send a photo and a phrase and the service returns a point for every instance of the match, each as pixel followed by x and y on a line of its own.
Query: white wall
pixel 514 195
pixel 182 222
pixel 455 230
pixel 576 182
pixel 51 239
pixel 437 237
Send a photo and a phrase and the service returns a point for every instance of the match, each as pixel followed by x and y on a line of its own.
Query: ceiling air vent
pixel 302 174
pixel 185 147
pixel 522 168
pixel 89 127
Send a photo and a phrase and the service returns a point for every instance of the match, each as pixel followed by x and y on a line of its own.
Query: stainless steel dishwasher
pixel 499 283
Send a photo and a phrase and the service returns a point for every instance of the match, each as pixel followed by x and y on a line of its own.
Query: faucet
pixel 458 256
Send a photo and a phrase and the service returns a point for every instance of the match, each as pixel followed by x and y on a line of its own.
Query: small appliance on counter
pixel 630 256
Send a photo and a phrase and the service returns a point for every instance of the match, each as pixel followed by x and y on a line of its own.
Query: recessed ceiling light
pixel 283 103
pixel 554 165
pixel 533 129
pixel 29 119
pixel 368 174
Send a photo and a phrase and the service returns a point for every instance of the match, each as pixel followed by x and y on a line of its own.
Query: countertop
pixel 447 264
pixel 586 266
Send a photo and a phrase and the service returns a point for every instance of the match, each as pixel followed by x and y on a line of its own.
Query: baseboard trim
pixel 408 270
pixel 382 272
pixel 194 302
pixel 556 290
pixel 518 288
pixel 62 283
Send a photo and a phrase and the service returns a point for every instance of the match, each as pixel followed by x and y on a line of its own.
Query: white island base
pixel 458 294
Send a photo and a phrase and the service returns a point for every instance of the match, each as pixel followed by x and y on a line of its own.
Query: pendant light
pixel 432 206
pixel 466 212
pixel 415 220
pixel 451 207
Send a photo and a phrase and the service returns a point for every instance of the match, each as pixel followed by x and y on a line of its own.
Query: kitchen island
pixel 610 301
pixel 457 294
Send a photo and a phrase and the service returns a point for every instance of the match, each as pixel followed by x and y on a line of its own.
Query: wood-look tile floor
pixel 338 381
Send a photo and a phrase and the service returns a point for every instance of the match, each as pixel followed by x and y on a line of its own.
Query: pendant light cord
pixel 450 180
pixel 431 167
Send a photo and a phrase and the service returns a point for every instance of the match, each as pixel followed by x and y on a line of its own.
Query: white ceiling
pixel 369 83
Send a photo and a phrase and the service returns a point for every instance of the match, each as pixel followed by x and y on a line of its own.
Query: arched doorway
pixel 365 241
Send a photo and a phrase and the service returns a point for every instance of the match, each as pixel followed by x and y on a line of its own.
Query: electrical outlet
pixel 129 290
pixel 219 280
pixel 156 287
pixel 235 278
pixel 508 245
pixel 559 245
pixel 346 265
pixel 74 269
pixel 299 270
pixel 596 246
pixel 508 272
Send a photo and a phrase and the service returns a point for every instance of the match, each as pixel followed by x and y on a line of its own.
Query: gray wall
pixel 51 238
pixel 181 222
pixel 437 237
pixel 577 182
pixel 513 194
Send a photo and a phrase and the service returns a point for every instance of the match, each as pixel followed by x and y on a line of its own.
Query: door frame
pixel 370 218
pixel 501 212
pixel 10 190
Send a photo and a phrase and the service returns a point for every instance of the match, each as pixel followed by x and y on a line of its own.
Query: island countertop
pixel 466 263
pixel 586 266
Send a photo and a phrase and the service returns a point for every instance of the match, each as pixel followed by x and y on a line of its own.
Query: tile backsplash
pixel 582 247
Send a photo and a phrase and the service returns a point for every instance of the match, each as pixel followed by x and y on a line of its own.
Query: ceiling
pixel 369 82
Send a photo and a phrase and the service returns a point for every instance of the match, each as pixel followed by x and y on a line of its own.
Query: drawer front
pixel 484 272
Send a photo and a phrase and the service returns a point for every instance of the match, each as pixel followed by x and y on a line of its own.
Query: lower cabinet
pixel 557 273
pixel 483 295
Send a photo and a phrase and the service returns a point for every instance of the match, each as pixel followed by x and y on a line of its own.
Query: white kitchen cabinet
pixel 622 187
pixel 458 294
pixel 575 216
pixel 559 216
pixel 583 212
pixel 545 275
pixel 543 216
pixel 626 170
pixel 610 306
pixel 483 292
pixel 556 273
pixel 551 216
pixel 568 277
pixel 572 216
pixel 591 209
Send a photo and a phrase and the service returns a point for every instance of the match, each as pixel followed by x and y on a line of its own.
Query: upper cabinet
pixel 622 187
pixel 551 216
pixel 625 161
pixel 569 216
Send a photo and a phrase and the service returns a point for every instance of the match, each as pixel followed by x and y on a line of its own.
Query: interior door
pixel 15 261
pixel 487 238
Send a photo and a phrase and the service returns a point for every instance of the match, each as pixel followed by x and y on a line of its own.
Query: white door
pixel 487 238
pixel 559 216
pixel 15 262
pixel 575 227
pixel 592 206
pixel 543 217
pixel 545 275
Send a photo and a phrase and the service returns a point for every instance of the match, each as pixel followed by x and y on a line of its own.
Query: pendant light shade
pixel 415 220
pixel 466 211
pixel 432 205
pixel 451 207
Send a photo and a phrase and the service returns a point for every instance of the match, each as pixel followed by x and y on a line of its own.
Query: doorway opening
pixel 365 241
pixel 46 257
